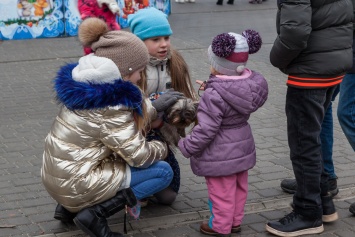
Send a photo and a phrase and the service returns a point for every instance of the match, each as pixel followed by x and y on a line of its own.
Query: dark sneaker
pixel 329 212
pixel 295 224
pixel 205 229
pixel 290 186
pixel 352 208
pixel 333 187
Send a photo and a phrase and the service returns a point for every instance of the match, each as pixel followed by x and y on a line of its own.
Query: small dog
pixel 179 116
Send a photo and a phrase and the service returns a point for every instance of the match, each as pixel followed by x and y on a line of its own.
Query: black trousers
pixel 305 110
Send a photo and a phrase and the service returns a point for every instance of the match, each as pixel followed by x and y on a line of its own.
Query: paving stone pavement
pixel 27 109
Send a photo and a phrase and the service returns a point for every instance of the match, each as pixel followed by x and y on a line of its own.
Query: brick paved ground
pixel 27 110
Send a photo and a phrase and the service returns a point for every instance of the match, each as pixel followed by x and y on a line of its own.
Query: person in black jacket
pixel 346 106
pixel 314 48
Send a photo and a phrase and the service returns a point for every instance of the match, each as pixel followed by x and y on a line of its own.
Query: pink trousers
pixel 227 198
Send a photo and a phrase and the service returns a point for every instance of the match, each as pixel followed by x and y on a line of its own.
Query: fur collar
pixel 153 61
pixel 76 95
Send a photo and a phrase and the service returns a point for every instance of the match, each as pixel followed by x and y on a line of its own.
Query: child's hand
pixel 181 142
pixel 111 4
pixel 202 85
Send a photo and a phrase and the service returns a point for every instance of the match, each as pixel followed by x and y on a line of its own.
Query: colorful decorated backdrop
pixel 131 6
pixel 27 19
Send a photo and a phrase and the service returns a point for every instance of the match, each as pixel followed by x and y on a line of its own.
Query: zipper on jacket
pixel 156 90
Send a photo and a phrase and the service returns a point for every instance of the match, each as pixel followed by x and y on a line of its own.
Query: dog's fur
pixel 179 116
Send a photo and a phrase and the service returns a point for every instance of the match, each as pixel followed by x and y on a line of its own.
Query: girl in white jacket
pixel 166 69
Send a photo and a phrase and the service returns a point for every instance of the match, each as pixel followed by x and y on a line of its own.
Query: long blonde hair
pixel 179 73
pixel 142 120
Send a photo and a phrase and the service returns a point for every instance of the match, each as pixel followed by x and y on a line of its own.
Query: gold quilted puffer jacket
pixel 86 152
pixel 91 144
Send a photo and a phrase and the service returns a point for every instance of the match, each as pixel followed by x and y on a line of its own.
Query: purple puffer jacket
pixel 222 143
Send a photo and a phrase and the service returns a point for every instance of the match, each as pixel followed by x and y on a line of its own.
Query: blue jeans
pixel 346 108
pixel 326 137
pixel 148 181
pixel 305 111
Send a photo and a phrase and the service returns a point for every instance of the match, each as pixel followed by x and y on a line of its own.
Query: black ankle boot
pixel 63 214
pixel 219 2
pixel 92 220
pixel 329 212
pixel 230 2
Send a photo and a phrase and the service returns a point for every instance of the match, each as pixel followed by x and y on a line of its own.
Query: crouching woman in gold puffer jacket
pixel 96 159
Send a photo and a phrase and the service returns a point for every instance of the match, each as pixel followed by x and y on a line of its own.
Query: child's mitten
pixel 166 100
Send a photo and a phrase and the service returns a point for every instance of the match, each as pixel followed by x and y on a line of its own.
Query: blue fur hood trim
pixel 87 96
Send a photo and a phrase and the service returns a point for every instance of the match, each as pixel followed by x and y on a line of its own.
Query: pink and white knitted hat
pixel 229 52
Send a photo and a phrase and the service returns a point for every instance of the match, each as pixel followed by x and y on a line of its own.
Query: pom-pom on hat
pixel 125 49
pixel 148 23
pixel 229 52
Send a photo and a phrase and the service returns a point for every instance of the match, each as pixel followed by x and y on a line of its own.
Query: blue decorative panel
pixel 71 17
pixel 27 19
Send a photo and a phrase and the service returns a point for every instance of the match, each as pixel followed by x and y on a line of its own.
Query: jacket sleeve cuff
pixel 183 149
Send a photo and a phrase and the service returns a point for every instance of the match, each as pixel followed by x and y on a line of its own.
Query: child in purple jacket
pixel 221 147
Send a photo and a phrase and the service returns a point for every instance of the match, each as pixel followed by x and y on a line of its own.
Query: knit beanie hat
pixel 229 52
pixel 125 49
pixel 149 22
